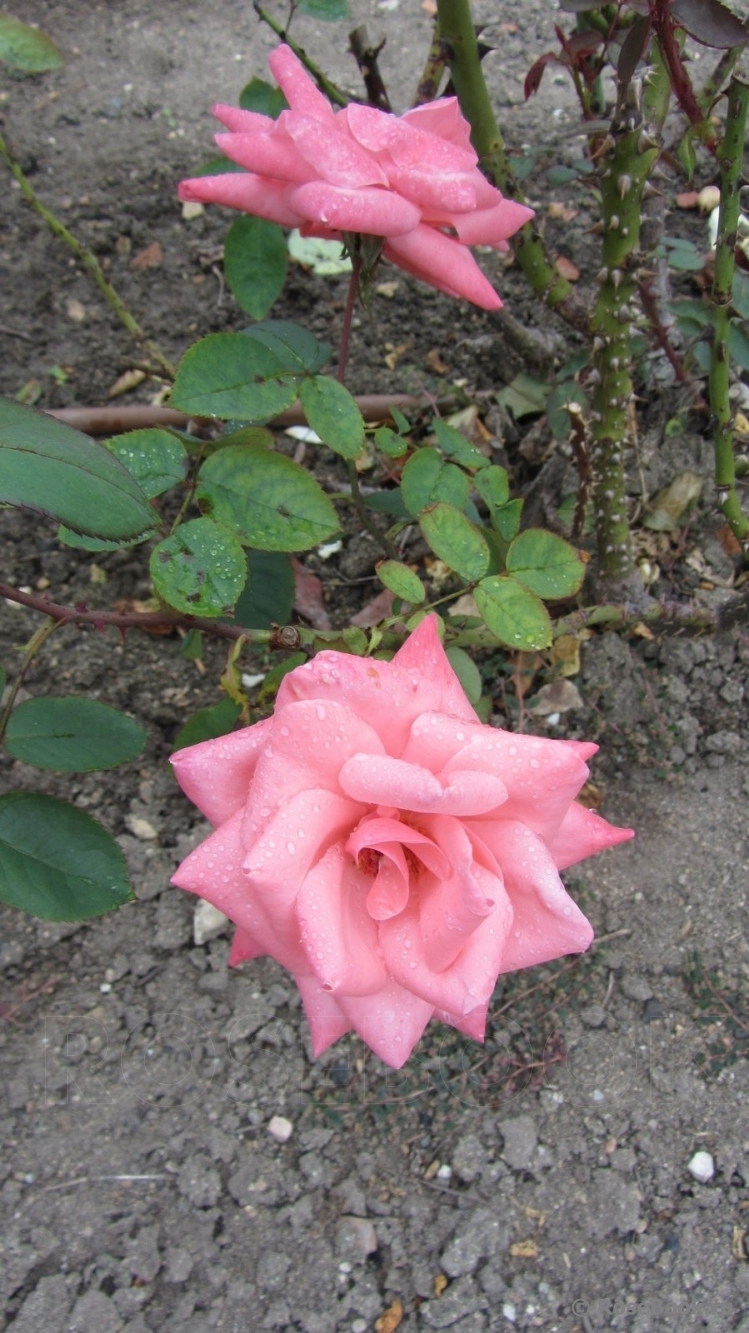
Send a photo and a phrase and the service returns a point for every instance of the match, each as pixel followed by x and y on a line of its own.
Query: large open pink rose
pixel 387 848
pixel 412 179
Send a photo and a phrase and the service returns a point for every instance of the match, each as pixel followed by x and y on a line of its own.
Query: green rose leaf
pixel 72 735
pixel 467 672
pixel 296 347
pixel 513 613
pixel 27 49
pixel 157 459
pixel 545 563
pixel 454 539
pixel 507 520
pixel 402 581
pixel 428 480
pixel 268 500
pixel 200 569
pixel 328 10
pixel 333 415
pixel 389 443
pixel 232 376
pixel 493 485
pixel 268 595
pixel 456 447
pixel 255 264
pixel 49 467
pixel 208 724
pixel 57 862
pixel 257 95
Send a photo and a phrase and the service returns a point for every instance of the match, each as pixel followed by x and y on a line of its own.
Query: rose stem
pixel 88 259
pixel 730 157
pixel 456 30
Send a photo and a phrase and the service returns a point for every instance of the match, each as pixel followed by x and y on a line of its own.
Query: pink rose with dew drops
pixel 395 854
pixel 412 180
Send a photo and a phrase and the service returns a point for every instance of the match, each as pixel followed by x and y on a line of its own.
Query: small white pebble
pixel 359 1326
pixel 510 1311
pixel 105 987
pixel 702 1167
pixel 280 1128
pixel 598 1096
pixel 207 922
pixel 250 681
pixel 445 1172
pixel 191 209
pixel 141 828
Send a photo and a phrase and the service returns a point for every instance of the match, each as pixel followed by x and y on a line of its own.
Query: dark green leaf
pixel 513 613
pixel 232 376
pixel 192 646
pixel 255 264
pixel 208 723
pixel 738 344
pixel 557 414
pixel 56 862
pixel 710 22
pixel 333 414
pixel 456 447
pixel 268 595
pixel 200 569
pixel 263 97
pixel 268 500
pixel 467 672
pixel 269 688
pixel 49 467
pixel 545 563
pixel 255 435
pixel 328 10
pixel 427 480
pixel 454 539
pixel 217 166
pixel 72 735
pixel 96 544
pixel 740 294
pixel 27 49
pixel 402 423
pixel 387 502
pixel 156 458
pixel 401 580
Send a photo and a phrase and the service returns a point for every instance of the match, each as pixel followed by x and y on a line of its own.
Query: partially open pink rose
pixel 412 179
pixel 387 848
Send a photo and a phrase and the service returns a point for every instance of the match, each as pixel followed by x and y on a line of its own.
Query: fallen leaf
pixel 435 364
pixel 565 212
pixel 151 257
pixel 738 1244
pixel 687 199
pixel 394 354
pixel 74 310
pixel 30 393
pixel 465 606
pixel 130 380
pixel 731 545
pixel 672 502
pixel 524 668
pixel 390 1319
pixel 641 631
pixel 123 245
pixel 375 611
pixel 524 1249
pixel 567 269
pixel 325 258
pixel 559 696
pixel 565 654
pixel 535 1215
pixel 590 796
pixel 440 1282
pixel 308 601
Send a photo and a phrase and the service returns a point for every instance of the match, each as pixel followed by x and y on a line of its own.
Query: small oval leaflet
pixel 200 569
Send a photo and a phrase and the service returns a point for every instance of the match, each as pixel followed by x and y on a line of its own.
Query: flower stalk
pixel 623 176
pixel 730 156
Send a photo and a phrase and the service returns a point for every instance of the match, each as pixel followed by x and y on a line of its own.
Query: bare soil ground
pixel 540 1181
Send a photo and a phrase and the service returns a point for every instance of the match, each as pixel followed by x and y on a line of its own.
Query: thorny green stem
pixel 348 315
pixel 457 32
pixel 730 157
pixel 711 88
pixel 32 648
pixel 326 86
pixel 622 180
pixel 88 259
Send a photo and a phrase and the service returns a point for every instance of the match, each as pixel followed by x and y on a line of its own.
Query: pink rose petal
pixel 339 936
